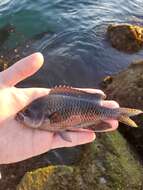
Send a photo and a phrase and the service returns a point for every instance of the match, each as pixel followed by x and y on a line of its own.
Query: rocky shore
pixel 127 89
pixel 106 164
pixel 112 161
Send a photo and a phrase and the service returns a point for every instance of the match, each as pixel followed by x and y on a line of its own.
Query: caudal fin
pixel 125 113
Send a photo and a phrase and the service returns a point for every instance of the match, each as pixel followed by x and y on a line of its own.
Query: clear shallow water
pixel 75 47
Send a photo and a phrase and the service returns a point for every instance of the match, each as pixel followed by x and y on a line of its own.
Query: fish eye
pixel 27 112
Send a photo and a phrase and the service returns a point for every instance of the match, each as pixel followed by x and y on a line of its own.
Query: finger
pixel 114 123
pixel 21 70
pixel 91 90
pixel 110 104
pixel 30 94
pixel 77 138
pixel 42 142
pixel 27 95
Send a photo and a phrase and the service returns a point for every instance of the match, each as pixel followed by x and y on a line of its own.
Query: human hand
pixel 17 142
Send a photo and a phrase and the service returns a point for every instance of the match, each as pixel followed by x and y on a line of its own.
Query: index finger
pixel 92 90
pixel 114 123
pixel 21 70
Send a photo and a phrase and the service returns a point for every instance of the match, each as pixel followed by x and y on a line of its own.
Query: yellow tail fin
pixel 130 111
pixel 126 120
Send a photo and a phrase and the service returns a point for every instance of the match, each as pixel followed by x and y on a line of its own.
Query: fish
pixel 66 109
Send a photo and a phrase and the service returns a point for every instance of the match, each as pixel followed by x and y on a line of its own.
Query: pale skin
pixel 17 142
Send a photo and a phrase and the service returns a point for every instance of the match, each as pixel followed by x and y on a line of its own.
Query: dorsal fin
pixel 67 90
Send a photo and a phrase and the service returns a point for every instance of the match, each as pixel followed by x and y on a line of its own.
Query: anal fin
pixel 96 126
pixel 101 126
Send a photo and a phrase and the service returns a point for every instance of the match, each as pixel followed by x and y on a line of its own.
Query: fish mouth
pixel 20 117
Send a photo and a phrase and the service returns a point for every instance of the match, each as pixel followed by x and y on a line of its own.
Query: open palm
pixel 18 142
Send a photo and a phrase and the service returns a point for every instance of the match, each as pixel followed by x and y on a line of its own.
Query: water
pixel 74 46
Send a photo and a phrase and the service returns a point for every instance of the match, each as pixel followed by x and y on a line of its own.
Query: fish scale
pixel 86 110
pixel 66 108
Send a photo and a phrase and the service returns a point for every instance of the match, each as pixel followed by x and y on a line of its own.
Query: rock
pixel 127 89
pixel 3 64
pixel 106 164
pixel 106 81
pixel 52 177
pixel 11 174
pixel 125 37
pixel 5 32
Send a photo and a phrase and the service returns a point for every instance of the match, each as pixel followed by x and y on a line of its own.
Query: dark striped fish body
pixel 65 108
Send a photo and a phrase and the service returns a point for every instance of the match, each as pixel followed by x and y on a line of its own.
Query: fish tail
pixel 125 113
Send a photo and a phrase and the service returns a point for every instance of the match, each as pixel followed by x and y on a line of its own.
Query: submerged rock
pixel 127 89
pixel 106 164
pixel 5 32
pixel 125 37
pixel 3 64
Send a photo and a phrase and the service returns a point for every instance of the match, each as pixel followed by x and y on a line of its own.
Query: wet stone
pixel 125 37
pixel 127 89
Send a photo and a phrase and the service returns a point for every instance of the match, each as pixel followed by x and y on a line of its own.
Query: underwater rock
pixel 106 164
pixel 127 89
pixel 125 37
pixel 3 64
pixel 5 32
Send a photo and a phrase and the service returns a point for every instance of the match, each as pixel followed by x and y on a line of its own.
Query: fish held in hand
pixel 66 108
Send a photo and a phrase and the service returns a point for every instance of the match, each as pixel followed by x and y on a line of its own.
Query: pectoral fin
pixel 65 136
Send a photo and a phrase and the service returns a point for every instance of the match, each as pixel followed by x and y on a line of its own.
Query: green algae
pixel 108 163
pixel 52 177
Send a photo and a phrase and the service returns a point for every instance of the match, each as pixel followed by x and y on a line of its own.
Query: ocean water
pixel 74 43
pixel 74 46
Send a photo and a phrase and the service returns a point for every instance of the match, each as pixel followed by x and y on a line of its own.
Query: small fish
pixel 66 108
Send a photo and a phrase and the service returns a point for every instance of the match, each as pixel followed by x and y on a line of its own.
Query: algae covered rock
pixel 127 89
pixel 125 37
pixel 106 164
pixel 52 177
